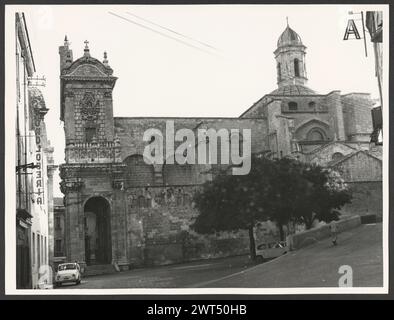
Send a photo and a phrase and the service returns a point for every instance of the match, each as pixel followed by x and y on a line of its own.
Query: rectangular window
pixel 89 134
pixel 34 249
pixel 38 250
pixel 57 223
pixel 45 250
pixel 42 249
pixel 58 247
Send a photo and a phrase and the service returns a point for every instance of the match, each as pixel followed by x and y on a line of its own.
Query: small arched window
pixel 296 67
pixel 279 71
pixel 312 104
pixel 293 106
pixel 337 156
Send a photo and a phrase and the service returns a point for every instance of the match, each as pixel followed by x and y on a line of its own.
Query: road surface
pixel 314 266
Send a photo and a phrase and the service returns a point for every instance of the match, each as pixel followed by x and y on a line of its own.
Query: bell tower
pixel 86 102
pixel 290 59
pixel 92 175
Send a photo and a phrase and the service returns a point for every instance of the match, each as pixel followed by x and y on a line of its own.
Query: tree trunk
pixel 308 223
pixel 281 232
pixel 252 244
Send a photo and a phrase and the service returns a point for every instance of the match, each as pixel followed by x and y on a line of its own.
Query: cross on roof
pixel 86 42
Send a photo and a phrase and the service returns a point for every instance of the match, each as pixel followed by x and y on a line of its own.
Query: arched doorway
pixel 97 224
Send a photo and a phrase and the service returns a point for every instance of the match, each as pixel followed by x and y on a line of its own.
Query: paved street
pixel 174 276
pixel 314 266
pixel 317 265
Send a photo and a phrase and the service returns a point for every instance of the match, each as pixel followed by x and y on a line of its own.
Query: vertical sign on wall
pixel 39 181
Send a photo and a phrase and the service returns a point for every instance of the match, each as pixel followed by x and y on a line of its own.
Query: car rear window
pixel 67 267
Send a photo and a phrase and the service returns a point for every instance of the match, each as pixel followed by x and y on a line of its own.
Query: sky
pixel 162 76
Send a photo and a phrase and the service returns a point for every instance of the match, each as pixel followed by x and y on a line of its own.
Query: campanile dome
pixel 289 38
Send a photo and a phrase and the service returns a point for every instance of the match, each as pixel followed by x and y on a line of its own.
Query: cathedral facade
pixel 121 210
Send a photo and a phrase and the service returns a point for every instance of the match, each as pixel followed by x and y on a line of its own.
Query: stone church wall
pixel 357 116
pixel 159 230
pixel 360 167
pixel 363 173
pixel 367 199
pixel 131 130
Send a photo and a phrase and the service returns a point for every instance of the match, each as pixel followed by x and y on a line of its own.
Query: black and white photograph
pixel 196 149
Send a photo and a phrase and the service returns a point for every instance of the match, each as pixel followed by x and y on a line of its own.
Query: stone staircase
pixel 99 269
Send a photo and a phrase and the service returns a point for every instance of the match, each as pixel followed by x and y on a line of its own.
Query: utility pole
pixel 365 40
pixel 352 29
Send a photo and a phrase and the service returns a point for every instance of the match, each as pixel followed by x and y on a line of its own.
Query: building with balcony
pixel 34 166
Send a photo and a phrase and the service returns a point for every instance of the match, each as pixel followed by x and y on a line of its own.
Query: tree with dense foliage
pixel 326 194
pixel 280 190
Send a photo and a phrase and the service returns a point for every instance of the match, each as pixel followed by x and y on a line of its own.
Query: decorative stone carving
pixel 71 186
pixel 90 107
pixel 91 67
pixel 107 94
pixel 64 172
pixel 39 113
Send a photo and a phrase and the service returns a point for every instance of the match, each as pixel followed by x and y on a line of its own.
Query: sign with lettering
pixel 351 29
pixel 39 181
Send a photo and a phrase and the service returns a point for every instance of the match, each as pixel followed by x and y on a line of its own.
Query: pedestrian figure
pixel 334 232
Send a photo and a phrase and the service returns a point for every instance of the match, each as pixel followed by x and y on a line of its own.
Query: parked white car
pixel 68 272
pixel 271 250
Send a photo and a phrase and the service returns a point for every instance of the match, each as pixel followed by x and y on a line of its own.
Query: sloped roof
pixel 293 90
pixel 336 162
pixel 377 151
pixel 320 148
pixel 88 67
